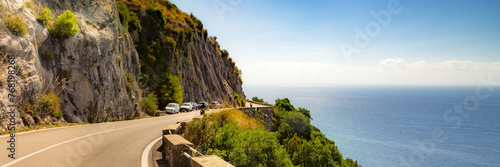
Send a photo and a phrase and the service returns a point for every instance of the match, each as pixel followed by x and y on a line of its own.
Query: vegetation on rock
pixel 14 23
pixel 45 17
pixel 64 26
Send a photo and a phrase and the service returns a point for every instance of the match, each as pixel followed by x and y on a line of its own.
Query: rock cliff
pixel 100 73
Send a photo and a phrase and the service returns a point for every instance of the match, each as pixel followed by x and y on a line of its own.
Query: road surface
pixel 104 144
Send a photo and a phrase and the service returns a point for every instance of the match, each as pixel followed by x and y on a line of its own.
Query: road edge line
pixel 145 153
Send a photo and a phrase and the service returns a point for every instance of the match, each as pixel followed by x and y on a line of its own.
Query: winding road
pixel 103 144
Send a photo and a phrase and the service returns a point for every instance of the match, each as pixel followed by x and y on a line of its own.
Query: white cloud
pixel 388 72
pixel 449 65
pixel 393 64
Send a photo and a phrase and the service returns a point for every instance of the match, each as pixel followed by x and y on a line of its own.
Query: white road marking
pixel 145 153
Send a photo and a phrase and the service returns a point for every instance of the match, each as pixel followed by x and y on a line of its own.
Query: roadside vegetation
pixel 257 99
pixel 150 104
pixel 242 140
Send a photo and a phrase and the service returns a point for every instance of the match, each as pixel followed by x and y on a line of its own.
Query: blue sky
pixel 301 42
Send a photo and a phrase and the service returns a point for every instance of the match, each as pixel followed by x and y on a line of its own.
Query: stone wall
pixel 176 153
pixel 264 114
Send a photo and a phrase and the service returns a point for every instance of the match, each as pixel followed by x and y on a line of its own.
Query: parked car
pixel 202 105
pixel 172 108
pixel 186 107
pixel 215 104
pixel 195 105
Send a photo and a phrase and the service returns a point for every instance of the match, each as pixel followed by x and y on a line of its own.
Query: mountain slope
pixel 103 71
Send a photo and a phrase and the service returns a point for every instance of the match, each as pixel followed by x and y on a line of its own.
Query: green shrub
pixel 123 11
pixel 150 104
pixel 284 105
pixel 15 24
pixel 157 14
pixel 170 90
pixel 50 102
pixel 299 124
pixel 257 148
pixel 257 99
pixel 128 17
pixel 306 112
pixel 225 53
pixel 314 153
pixel 240 100
pixel 198 23
pixel 169 42
pixel 64 26
pixel 45 17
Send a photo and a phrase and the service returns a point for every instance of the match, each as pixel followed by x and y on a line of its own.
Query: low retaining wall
pixel 176 150
pixel 173 149
pixel 264 114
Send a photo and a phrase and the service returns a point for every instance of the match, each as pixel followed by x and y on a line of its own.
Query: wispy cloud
pixel 389 71
pixel 449 65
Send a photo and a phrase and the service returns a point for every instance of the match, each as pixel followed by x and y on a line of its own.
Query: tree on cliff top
pixel 284 105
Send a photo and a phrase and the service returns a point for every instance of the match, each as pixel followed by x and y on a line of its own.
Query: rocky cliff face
pixel 88 70
pixel 81 70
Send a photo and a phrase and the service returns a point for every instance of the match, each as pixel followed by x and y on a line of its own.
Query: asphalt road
pixel 104 144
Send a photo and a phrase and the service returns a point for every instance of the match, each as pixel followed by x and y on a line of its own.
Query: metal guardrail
pixel 192 149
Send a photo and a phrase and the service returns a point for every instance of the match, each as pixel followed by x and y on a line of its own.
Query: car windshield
pixel 186 104
pixel 171 105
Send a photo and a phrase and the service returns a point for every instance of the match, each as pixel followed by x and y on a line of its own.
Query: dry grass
pixel 237 117
pixel 169 10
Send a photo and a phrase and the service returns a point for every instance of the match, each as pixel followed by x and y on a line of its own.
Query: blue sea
pixel 403 126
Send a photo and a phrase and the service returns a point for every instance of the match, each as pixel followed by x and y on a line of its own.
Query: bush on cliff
pixel 15 24
pixel 45 17
pixel 64 26
pixel 128 18
pixel 50 103
pixel 240 100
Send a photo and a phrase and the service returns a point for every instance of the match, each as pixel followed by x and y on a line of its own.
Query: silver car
pixel 172 108
pixel 186 107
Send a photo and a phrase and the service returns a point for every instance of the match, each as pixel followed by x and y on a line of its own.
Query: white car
pixel 172 108
pixel 186 107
